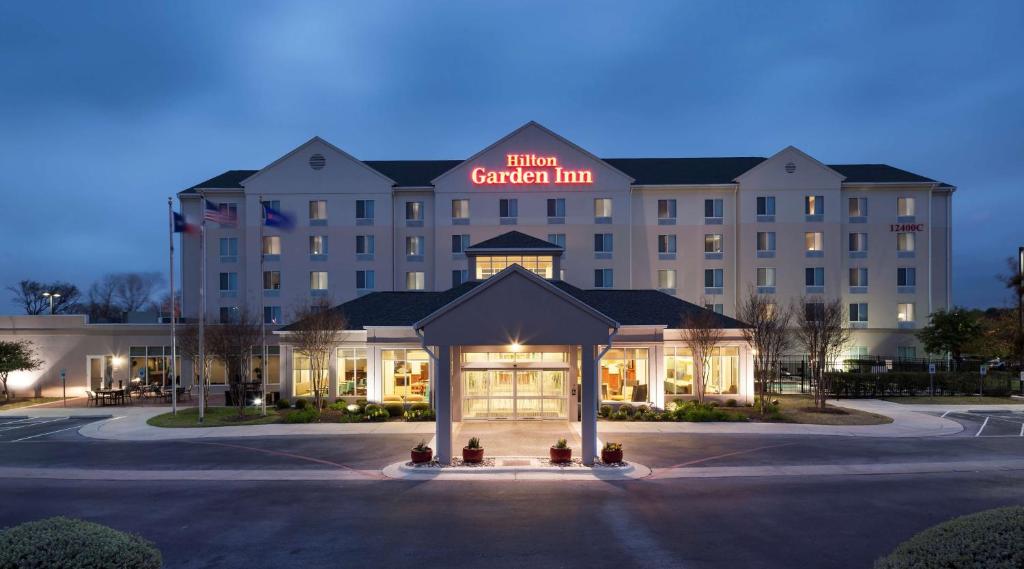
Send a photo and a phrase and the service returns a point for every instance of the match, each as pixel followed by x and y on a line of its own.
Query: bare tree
pixel 315 331
pixel 701 332
pixel 30 295
pixel 233 342
pixel 821 330
pixel 769 336
pixel 101 305
pixel 188 347
pixel 135 291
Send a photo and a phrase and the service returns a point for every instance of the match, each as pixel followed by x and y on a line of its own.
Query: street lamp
pixel 51 296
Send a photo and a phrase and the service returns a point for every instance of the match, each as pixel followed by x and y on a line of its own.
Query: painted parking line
pixel 983 425
pixel 31 424
pixel 18 420
pixel 76 426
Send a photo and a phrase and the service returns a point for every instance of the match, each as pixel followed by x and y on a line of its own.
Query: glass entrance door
pixel 513 394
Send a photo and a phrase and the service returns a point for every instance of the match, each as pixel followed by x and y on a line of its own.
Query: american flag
pixel 219 213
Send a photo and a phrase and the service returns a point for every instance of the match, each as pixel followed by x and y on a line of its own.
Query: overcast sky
pixel 106 109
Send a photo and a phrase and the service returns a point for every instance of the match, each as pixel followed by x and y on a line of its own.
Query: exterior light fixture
pixel 51 296
pixel 515 346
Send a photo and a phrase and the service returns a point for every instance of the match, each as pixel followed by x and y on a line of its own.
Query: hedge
pixel 74 544
pixel 896 383
pixel 993 539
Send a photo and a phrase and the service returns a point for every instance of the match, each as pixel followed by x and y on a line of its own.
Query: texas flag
pixel 275 218
pixel 183 226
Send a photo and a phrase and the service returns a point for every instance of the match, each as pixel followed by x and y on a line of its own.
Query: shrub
pixel 561 443
pixel 339 405
pixel 301 404
pixel 605 410
pixel 990 539
pixel 622 415
pixel 692 411
pixel 74 544
pixel 375 413
pixel 642 409
pixel 730 402
pixel 417 415
pixel 627 409
pixel 394 409
pixel 309 415
pixel 420 407
pixel 283 404
pixel 474 443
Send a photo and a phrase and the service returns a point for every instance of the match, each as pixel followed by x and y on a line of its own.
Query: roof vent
pixel 317 161
pixel 790 167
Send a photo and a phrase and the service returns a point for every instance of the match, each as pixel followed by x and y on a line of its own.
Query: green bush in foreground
pixel 74 544
pixel 309 415
pixel 993 539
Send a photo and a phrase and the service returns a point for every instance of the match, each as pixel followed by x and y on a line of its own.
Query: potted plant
pixel 560 452
pixel 422 453
pixel 611 453
pixel 473 453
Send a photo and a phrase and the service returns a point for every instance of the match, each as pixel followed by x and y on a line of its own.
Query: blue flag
pixel 275 218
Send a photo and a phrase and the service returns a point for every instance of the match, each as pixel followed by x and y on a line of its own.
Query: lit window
pixel 765 241
pixel 906 276
pixel 415 280
pixel 667 279
pixel 602 207
pixel 603 278
pixel 666 243
pixel 490 265
pixel 766 276
pixel 271 280
pixel 859 276
pixel 666 209
pixel 859 312
pixel 414 211
pixel 814 205
pixel 271 245
pixel 317 210
pixel 318 280
pixel 406 374
pixel 602 242
pixel 713 243
pixel 352 372
pixel 814 241
pixel 624 374
pixel 365 280
pixel 905 312
pixel 905 207
pixel 460 209
pixel 905 242
pixel 766 205
pixel 364 244
pixel 814 276
pixel 317 244
pixel 364 210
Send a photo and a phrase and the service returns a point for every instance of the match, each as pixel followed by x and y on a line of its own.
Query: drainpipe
pixel 736 248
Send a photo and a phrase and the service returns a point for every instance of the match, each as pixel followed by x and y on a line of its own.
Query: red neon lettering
pixel 530 169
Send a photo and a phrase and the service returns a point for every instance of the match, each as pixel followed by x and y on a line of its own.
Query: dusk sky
pixel 106 109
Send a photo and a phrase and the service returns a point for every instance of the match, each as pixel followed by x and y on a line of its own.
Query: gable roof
pixel 412 172
pixel 514 240
pixel 877 173
pixel 230 180
pixel 684 171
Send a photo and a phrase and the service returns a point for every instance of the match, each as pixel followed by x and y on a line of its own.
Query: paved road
pixel 988 423
pixel 22 429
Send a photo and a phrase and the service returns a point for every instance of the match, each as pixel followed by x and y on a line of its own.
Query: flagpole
pixel 174 335
pixel 263 319
pixel 202 309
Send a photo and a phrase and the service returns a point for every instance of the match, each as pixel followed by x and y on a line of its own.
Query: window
pixel 905 242
pixel 814 242
pixel 905 312
pixel 460 209
pixel 906 276
pixel 406 374
pixel 858 207
pixel 602 208
pixel 602 242
pixel 713 210
pixel 318 245
pixel 302 375
pixel 906 352
pixel 858 242
pixel 460 243
pixel 318 280
pixel 905 207
pixel 814 205
pixel 317 210
pixel 231 210
pixel 624 374
pixel 713 243
pixel 667 279
pixel 678 371
pixel 415 280
pixel 459 276
pixel 765 241
pixel 765 206
pixel 365 280
pixel 603 278
pixel 228 248
pixel 716 308
pixel 271 245
pixel 490 265
pixel 364 244
pixel 271 280
pixel 556 207
pixel 272 204
pixel 666 244
pixel 766 277
pixel 557 239
pixel 272 315
pixel 714 278
pixel 723 377
pixel 228 314
pixel 814 276
pixel 273 364
pixel 666 209
pixel 814 311
pixel 351 372
pixel 414 246
pixel 859 312
pixel 364 210
pixel 414 211
pixel 858 277
pixel 228 282
pixel 508 208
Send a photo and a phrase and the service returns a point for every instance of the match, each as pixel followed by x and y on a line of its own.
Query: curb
pixel 402 471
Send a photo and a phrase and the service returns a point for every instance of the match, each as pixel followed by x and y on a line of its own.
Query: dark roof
pixel 876 173
pixel 627 307
pixel 232 179
pixel 412 172
pixel 513 240
pixel 661 171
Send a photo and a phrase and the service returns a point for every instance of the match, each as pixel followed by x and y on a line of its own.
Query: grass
pixel 25 402
pixel 214 417
pixel 955 400
pixel 800 409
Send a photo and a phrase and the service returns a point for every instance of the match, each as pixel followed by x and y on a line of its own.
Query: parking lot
pixel 988 423
pixel 22 429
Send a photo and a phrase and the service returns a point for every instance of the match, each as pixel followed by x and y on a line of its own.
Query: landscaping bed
pixel 789 409
pixel 17 402
pixel 300 412
pixel 993 539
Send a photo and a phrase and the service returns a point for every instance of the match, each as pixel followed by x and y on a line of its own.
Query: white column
pixel 590 386
pixel 443 404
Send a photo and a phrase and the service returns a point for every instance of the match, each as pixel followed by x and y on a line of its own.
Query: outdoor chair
pixel 92 399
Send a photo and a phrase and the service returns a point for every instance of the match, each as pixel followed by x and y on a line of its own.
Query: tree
pixel 1013 279
pixel 135 291
pixel 29 294
pixel 701 332
pixel 315 331
pixel 821 330
pixel 16 355
pixel 233 343
pixel 952 331
pixel 768 334
pixel 188 347
pixel 101 306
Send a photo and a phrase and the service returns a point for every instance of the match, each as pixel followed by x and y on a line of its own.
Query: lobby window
pixel 271 245
pixel 678 371
pixel 351 365
pixel 318 280
pixel 151 363
pixel 858 278
pixel 858 245
pixel 460 242
pixel 624 375
pixel 490 265
pixel 906 277
pixel 228 314
pixel 906 352
pixel 858 209
pixel 713 211
pixel 557 239
pixel 459 276
pixel 814 278
pixel 317 245
pixel 271 280
pixel 765 243
pixel 713 246
pixel 508 208
pixel 814 243
pixel 714 279
pixel 415 280
pixel 365 280
pixel 556 208
pixel 302 375
pixel 602 210
pixel 273 364
pixel 765 208
pixel 667 279
pixel 414 247
pixel 858 313
pixel 905 244
pixel 364 212
pixel 603 278
pixel 814 207
pixel 603 243
pixel 905 208
pixel 228 249
pixel 414 213
pixel 766 279
pixel 666 244
pixel 317 212
pixel 406 375
pixel 666 211
pixel 228 282
pixel 365 245
pixel 460 212
pixel 272 315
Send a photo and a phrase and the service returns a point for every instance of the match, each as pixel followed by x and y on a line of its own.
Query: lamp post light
pixel 1020 316
pixel 51 296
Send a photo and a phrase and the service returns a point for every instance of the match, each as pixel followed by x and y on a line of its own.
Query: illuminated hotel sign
pixel 530 169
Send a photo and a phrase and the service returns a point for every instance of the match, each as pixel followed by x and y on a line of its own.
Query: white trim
pixel 799 152
pixel 304 145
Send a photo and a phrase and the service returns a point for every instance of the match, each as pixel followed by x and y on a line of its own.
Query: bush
pixel 990 539
pixel 74 544
pixel 731 402
pixel 394 409
pixel 622 415
pixel 694 412
pixel 339 405
pixel 640 409
pixel 301 404
pixel 895 383
pixel 626 409
pixel 374 412
pixel 309 415
pixel 283 404
pixel 416 415
pixel 605 410
pixel 420 407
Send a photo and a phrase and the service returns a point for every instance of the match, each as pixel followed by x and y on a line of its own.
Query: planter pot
pixel 472 455
pixel 561 455
pixel 421 456
pixel 611 456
